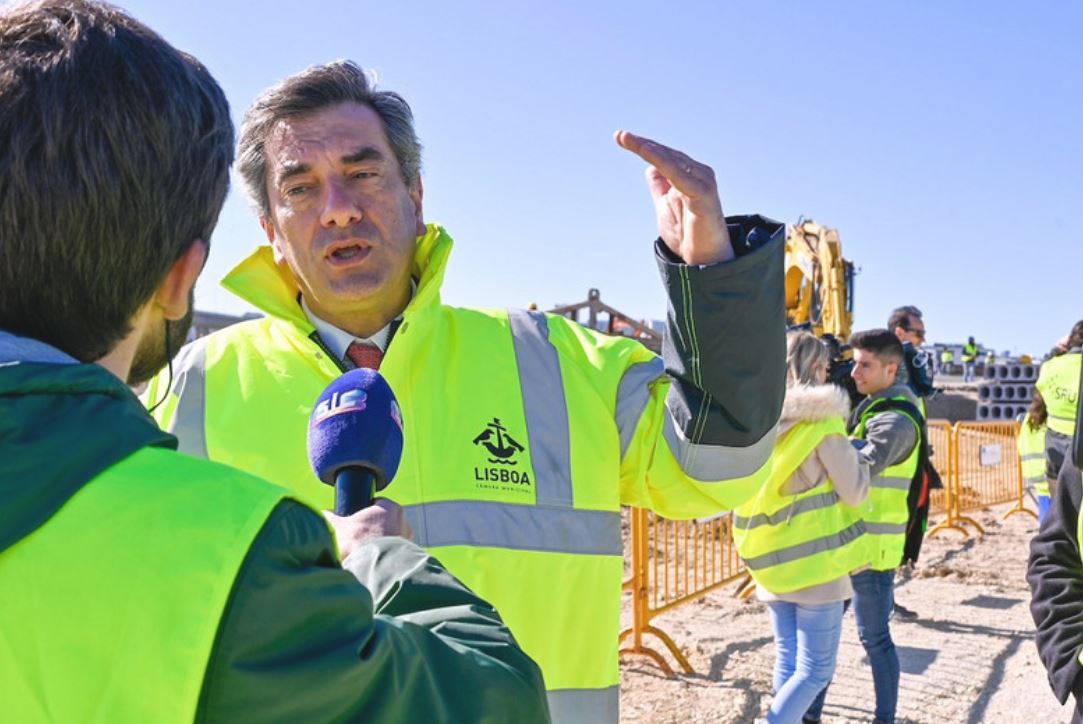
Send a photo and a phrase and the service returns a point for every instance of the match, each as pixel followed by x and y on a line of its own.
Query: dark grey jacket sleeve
pixel 890 437
pixel 725 346
pixel 1055 575
pixel 302 640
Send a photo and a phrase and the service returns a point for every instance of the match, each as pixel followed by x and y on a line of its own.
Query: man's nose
pixel 341 208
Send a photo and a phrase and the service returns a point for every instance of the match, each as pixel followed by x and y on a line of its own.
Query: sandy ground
pixel 969 657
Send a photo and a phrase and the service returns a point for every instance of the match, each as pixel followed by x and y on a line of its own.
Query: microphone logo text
pixel 339 403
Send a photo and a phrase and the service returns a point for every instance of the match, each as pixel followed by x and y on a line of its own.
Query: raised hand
pixel 690 218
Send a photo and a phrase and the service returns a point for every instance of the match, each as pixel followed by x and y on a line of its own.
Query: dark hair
pixel 903 317
pixel 115 158
pixel 308 92
pixel 882 343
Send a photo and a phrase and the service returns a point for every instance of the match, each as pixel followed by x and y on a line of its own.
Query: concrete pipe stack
pixel 1007 391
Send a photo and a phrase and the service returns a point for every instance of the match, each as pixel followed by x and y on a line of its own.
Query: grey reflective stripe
pixel 1061 418
pixel 633 394
pixel 891 482
pixel 584 706
pixel 544 406
pixel 808 548
pixel 189 420
pixel 885 528
pixel 519 527
pixel 816 502
pixel 1033 456
pixel 1035 479
pixel 716 462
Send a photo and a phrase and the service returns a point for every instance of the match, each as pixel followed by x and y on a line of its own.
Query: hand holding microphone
pixel 355 445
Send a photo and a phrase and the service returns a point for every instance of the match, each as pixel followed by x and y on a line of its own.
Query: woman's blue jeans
pixel 807 645
pixel 874 596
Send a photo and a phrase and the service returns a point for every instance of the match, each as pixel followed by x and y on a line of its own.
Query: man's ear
pixel 417 194
pixel 269 229
pixel 175 290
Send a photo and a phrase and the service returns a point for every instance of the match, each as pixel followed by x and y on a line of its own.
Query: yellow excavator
pixel 819 281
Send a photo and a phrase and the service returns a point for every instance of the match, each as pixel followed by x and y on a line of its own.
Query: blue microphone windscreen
pixel 356 423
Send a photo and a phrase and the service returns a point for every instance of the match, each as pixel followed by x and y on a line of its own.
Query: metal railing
pixel 674 562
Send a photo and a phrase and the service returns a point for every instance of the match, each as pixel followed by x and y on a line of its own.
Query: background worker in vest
pixel 139 584
pixel 525 433
pixel 1031 447
pixel 1057 389
pixel 916 371
pixel 886 428
pixel 969 357
pixel 810 501
pixel 947 358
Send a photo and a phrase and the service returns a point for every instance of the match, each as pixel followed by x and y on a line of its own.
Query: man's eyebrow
pixel 289 170
pixel 368 153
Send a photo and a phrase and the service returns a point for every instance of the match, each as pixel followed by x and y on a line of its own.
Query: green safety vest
pixel 1031 446
pixel 947 356
pixel 791 542
pixel 524 434
pixel 127 582
pixel 970 352
pixel 887 513
pixel 1058 382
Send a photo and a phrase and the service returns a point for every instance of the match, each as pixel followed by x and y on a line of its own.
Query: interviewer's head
pixel 114 165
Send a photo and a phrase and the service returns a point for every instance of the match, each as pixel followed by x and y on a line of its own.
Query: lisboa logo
pixel 502 449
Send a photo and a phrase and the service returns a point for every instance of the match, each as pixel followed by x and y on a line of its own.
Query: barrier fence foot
pixel 971 521
pixel 639 649
pixel 1021 509
pixel 745 588
pixel 664 637
pixel 947 525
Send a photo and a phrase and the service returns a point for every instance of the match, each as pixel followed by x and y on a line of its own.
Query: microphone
pixel 355 438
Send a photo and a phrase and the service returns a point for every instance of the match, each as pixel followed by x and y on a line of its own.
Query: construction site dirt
pixel 967 657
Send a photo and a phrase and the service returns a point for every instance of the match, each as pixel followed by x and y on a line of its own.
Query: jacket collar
pixel 271 288
pixel 14 348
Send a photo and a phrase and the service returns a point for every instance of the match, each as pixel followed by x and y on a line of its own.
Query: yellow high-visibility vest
pixel 131 621
pixel 1058 382
pixel 888 514
pixel 1031 446
pixel 790 542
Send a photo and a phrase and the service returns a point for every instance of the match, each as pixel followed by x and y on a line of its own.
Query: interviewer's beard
pixel 150 357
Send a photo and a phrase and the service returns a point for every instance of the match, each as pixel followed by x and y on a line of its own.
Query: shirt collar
pixel 338 340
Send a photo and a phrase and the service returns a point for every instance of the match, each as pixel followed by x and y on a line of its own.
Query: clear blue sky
pixel 942 139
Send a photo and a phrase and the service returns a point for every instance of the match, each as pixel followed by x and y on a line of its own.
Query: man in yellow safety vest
pixel 525 432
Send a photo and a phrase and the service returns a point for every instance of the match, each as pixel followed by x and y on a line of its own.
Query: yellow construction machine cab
pixel 819 281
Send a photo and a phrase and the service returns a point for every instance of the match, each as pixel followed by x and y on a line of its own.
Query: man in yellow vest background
pixel 969 357
pixel 525 432
pixel 139 584
pixel 1057 389
pixel 886 429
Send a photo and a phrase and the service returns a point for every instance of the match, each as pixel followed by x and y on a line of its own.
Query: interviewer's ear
pixel 175 290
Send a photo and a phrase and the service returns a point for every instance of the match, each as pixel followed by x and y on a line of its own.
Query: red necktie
pixel 364 355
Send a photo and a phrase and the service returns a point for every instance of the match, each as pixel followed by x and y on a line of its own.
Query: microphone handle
pixel 354 490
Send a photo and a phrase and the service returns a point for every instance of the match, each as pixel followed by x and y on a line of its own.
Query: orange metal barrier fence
pixel 985 471
pixel 673 562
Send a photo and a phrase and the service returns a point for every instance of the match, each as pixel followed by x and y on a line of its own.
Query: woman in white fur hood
pixel 803 535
